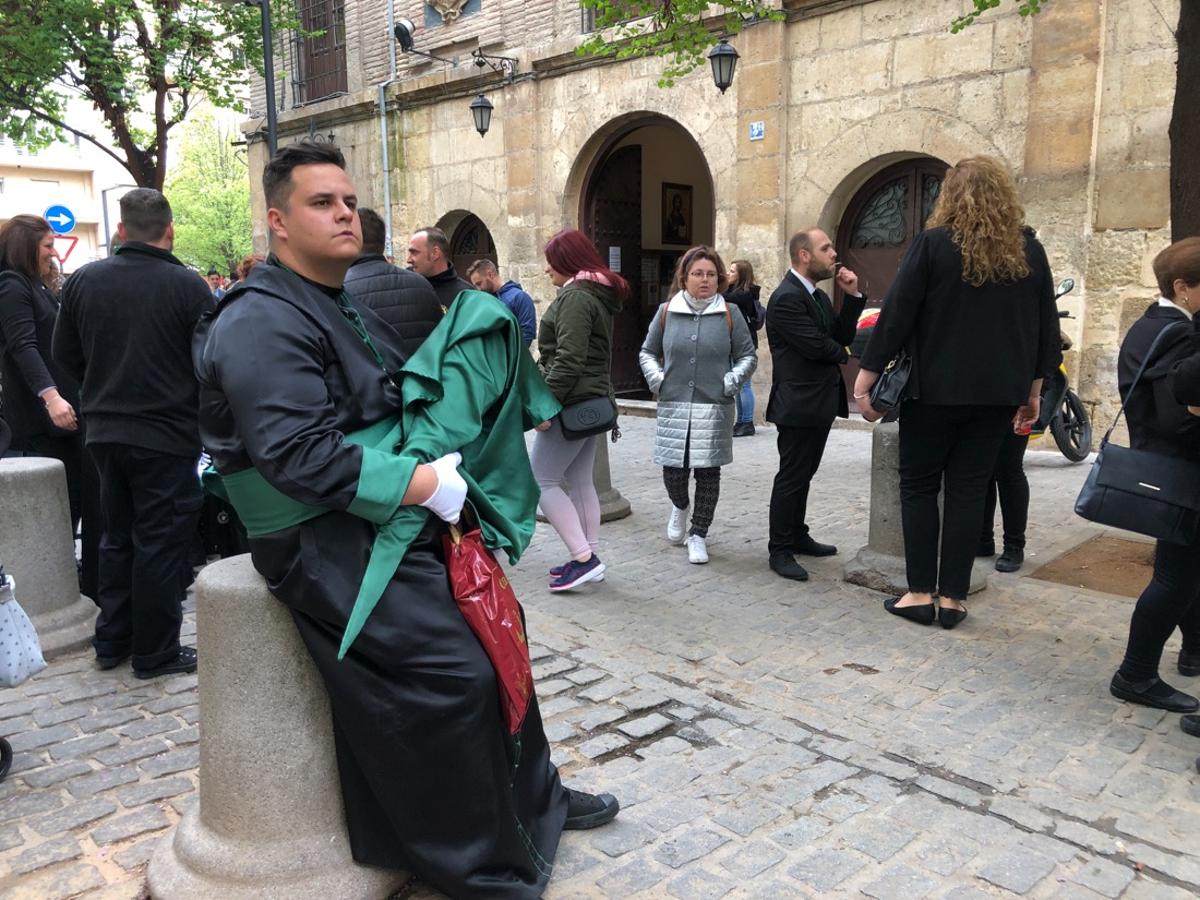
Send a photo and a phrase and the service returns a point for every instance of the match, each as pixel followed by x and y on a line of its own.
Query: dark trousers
pixel 1009 482
pixel 1170 600
pixel 150 503
pixel 800 452
pixel 954 446
pixel 708 492
pixel 83 497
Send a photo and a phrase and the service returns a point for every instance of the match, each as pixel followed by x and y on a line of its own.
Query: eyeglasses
pixel 703 276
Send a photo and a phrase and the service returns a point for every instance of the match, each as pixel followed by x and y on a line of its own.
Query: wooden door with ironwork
pixel 470 242
pixel 614 223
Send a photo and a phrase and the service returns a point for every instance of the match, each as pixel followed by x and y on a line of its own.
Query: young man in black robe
pixel 431 779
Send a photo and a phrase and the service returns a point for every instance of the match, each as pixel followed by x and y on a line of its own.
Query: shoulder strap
pixel 662 318
pixel 1138 377
pixel 729 320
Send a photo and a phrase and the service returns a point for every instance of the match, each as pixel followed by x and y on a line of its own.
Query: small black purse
pixel 893 386
pixel 1142 491
pixel 585 418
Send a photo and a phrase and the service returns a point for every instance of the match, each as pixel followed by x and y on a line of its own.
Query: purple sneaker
pixel 556 571
pixel 576 573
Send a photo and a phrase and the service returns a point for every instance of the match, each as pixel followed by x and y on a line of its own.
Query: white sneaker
pixel 697 550
pixel 675 525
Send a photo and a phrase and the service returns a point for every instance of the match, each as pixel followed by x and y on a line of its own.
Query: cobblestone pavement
pixel 765 738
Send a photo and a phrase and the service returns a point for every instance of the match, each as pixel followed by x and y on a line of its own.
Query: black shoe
pixel 986 548
pixel 589 810
pixel 1155 693
pixel 785 564
pixel 1189 664
pixel 743 429
pixel 922 615
pixel 1010 560
pixel 182 664
pixel 806 546
pixel 110 662
pixel 1190 725
pixel 949 618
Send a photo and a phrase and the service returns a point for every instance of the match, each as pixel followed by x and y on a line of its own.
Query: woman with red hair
pixel 574 347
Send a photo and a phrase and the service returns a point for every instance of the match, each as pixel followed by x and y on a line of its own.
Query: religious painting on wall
pixel 677 213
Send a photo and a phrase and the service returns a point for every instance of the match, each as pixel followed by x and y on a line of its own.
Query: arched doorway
pixel 647 197
pixel 878 226
pixel 471 241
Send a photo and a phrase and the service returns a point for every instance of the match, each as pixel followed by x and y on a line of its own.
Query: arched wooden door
pixel 471 241
pixel 614 223
pixel 879 225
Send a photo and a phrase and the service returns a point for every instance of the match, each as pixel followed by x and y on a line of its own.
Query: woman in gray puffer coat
pixel 695 358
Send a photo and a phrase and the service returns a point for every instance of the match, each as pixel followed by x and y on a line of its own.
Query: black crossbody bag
pixel 584 418
pixel 1142 491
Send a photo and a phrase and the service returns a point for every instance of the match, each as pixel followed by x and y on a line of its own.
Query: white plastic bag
pixel 20 651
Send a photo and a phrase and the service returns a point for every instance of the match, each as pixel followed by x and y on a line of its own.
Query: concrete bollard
pixel 880 564
pixel 613 504
pixel 38 550
pixel 269 823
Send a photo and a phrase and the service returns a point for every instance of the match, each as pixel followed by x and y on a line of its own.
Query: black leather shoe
pixel 182 664
pixel 950 618
pixel 806 546
pixel 589 810
pixel 1155 693
pixel 110 662
pixel 922 615
pixel 1189 664
pixel 986 548
pixel 785 564
pixel 1190 725
pixel 743 429
pixel 1010 560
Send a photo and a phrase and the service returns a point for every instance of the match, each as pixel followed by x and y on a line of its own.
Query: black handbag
pixel 1142 491
pixel 892 387
pixel 585 418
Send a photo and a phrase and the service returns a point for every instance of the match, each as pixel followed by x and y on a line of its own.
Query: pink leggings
pixel 563 470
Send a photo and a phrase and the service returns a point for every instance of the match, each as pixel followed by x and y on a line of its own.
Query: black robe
pixel 431 780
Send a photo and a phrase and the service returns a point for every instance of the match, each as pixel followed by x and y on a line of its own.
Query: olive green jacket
pixel 575 341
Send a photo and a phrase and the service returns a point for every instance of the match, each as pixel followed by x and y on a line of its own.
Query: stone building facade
pixel 843 115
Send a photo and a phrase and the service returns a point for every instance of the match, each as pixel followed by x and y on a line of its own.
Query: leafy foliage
pixel 1025 8
pixel 143 64
pixel 209 190
pixel 679 30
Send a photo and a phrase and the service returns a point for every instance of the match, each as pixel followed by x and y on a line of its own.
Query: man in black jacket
pixel 429 255
pixel 808 342
pixel 125 331
pixel 403 299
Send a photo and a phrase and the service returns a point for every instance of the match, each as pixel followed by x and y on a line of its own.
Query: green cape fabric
pixel 471 387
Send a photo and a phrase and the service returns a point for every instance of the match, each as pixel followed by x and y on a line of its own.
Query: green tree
pixel 680 30
pixel 1184 129
pixel 143 64
pixel 209 190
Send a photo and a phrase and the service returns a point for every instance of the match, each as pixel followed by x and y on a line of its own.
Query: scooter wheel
pixel 5 757
pixel 1072 429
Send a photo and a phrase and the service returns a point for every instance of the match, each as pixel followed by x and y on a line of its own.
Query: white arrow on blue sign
pixel 61 219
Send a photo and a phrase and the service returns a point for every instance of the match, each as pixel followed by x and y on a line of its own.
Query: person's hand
pixel 446 501
pixel 545 426
pixel 61 413
pixel 846 280
pixel 870 413
pixel 1027 415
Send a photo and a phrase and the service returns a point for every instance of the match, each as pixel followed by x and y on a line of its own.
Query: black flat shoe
pixel 1189 664
pixel 809 547
pixel 110 662
pixel 743 429
pixel 1190 725
pixel 785 565
pixel 950 618
pixel 922 614
pixel 1010 560
pixel 182 664
pixel 589 810
pixel 1155 693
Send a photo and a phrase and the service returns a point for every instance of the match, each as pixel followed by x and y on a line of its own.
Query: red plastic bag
pixel 487 602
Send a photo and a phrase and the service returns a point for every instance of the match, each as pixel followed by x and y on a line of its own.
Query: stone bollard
pixel 613 504
pixel 269 822
pixel 880 564
pixel 37 549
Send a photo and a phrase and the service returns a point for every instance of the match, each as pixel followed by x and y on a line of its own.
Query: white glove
pixel 447 500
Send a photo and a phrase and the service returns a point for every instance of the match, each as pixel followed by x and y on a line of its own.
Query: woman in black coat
pixel 39 398
pixel 974 301
pixel 1161 423
pixel 743 293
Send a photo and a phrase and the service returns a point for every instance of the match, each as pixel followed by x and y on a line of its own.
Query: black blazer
pixel 1157 420
pixel 808 342
pixel 975 346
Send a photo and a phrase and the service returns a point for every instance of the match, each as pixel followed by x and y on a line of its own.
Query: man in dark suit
pixel 808 341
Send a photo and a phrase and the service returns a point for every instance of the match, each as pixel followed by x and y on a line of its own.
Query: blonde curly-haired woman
pixel 974 302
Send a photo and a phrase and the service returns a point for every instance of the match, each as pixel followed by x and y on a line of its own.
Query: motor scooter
pixel 1063 413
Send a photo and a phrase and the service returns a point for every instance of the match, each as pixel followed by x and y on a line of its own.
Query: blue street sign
pixel 61 219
